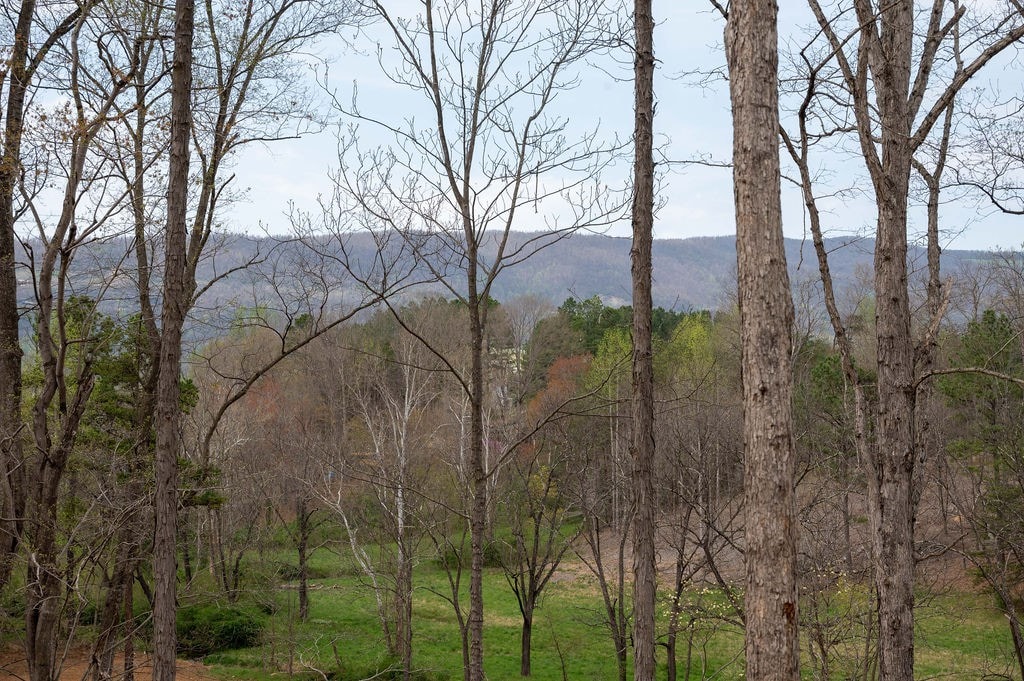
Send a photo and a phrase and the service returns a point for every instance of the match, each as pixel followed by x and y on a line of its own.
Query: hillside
pixel 697 273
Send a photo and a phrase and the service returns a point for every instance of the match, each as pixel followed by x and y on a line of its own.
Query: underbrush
pixel 205 629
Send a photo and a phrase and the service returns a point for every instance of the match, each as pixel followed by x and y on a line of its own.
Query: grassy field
pixel 960 635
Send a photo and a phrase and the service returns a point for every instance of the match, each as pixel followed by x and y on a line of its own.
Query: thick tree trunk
pixel 12 492
pixel 42 592
pixel 766 314
pixel 525 641
pixel 175 304
pixel 892 514
pixel 644 561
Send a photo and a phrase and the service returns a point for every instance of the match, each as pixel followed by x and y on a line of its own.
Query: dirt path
pixel 13 667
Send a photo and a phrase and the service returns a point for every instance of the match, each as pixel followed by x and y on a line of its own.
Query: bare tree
pixel 891 102
pixel 537 507
pixel 447 194
pixel 248 102
pixel 766 317
pixel 607 565
pixel 67 331
pixel 985 485
pixel 395 401
pixel 175 301
pixel 17 76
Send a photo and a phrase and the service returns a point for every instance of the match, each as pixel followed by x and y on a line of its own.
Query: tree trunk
pixel 622 656
pixel 116 617
pixel 12 492
pixel 620 618
pixel 671 664
pixel 892 514
pixel 478 510
pixel 303 543
pixel 525 641
pixel 766 317
pixel 644 561
pixel 1006 599
pixel 111 617
pixel 403 597
pixel 674 615
pixel 175 304
pixel 129 634
pixel 42 592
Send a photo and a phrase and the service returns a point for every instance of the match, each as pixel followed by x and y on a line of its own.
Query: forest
pixel 339 454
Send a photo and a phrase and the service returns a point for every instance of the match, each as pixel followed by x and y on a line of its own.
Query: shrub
pixel 494 555
pixel 203 629
pixel 89 614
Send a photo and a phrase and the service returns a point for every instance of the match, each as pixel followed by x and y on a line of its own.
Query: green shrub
pixel 493 555
pixel 89 614
pixel 203 629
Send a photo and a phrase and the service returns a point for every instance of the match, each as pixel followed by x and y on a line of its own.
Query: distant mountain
pixel 694 273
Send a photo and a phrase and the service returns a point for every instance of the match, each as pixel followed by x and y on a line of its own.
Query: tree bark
pixel 525 642
pixel 175 305
pixel 403 605
pixel 644 561
pixel 892 516
pixel 112 615
pixel 303 529
pixel 766 317
pixel 12 495
pixel 478 475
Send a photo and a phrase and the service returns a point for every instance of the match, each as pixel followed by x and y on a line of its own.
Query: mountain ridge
pixel 689 273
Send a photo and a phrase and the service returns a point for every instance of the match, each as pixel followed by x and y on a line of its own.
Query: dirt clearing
pixel 13 666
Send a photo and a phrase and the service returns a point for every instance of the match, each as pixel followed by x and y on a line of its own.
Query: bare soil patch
pixel 76 666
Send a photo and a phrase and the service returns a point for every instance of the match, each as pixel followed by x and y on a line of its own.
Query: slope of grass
pixel 960 636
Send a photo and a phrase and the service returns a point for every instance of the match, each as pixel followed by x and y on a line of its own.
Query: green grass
pixel 344 635
pixel 960 636
pixel 343 618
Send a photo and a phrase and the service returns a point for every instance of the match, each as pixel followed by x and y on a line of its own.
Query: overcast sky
pixel 693 122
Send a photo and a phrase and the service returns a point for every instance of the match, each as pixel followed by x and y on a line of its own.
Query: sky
pixel 692 123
